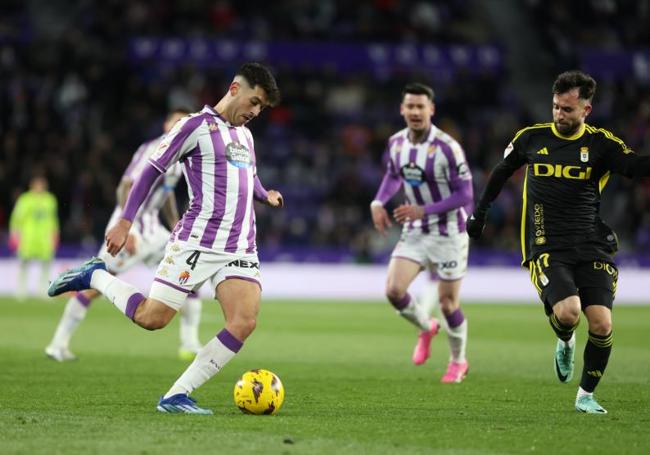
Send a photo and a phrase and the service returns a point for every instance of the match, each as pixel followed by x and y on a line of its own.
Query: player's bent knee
pixel 394 293
pixel 448 303
pixel 152 315
pixel 150 323
pixel 600 327
pixel 568 310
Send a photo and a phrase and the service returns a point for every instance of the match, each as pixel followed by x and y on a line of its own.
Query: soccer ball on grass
pixel 259 392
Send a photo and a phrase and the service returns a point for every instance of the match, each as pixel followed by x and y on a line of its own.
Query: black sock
pixel 596 356
pixel 563 332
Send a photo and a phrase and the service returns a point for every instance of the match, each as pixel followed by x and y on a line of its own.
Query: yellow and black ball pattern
pixel 259 392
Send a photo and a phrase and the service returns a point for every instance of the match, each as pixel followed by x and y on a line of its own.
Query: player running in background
pixel 34 232
pixel 215 238
pixel 145 244
pixel 437 182
pixel 565 244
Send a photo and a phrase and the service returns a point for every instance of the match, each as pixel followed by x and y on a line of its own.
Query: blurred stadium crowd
pixel 74 106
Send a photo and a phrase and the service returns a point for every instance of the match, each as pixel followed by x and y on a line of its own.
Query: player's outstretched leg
pixel 239 301
pixel 209 361
pixel 423 346
pixel 76 279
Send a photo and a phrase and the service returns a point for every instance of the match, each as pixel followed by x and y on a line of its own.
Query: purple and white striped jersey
pixel 219 165
pixel 147 220
pixel 430 172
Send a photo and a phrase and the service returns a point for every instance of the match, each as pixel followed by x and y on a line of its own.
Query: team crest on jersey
pixel 238 155
pixel 413 174
pixel 183 277
pixel 584 154
pixel 213 127
pixel 431 150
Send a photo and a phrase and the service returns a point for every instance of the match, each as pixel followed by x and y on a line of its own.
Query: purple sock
pixel 229 340
pixel 132 305
pixel 402 303
pixel 455 319
pixel 85 301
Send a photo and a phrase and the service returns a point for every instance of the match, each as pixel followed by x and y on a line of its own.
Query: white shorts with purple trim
pixel 445 255
pixel 149 250
pixel 184 269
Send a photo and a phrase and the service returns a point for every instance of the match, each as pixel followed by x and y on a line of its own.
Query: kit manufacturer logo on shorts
pixel 183 277
pixel 243 264
pixel 238 155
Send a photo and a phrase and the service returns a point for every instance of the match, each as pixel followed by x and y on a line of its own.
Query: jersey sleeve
pixel 182 138
pixel 391 183
pixel 620 159
pixel 457 167
pixel 514 157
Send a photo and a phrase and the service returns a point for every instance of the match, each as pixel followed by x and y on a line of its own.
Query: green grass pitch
pixel 350 386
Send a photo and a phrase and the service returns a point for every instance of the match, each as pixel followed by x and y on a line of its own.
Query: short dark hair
pixel 258 74
pixel 417 88
pixel 569 80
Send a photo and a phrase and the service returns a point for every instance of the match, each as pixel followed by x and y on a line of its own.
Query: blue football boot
pixel 181 404
pixel 76 279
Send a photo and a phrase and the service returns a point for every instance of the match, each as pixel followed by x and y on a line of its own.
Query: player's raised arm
pixel 116 236
pixel 180 139
pixel 622 160
pixel 123 190
pixel 512 161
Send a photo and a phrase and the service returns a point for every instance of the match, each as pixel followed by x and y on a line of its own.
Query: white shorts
pixel 149 250
pixel 445 255
pixel 184 269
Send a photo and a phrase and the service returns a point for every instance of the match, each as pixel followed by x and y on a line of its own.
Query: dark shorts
pixel 558 274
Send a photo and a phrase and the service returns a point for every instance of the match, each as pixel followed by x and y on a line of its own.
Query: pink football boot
pixel 423 346
pixel 456 372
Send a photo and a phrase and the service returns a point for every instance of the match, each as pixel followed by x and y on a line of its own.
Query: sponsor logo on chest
pixel 238 155
pixel 413 174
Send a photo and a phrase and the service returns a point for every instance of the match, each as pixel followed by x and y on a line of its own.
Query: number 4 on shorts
pixel 193 259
